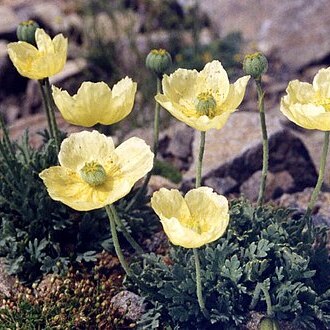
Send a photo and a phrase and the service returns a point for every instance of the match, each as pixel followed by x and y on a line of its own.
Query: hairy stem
pixel 265 146
pixel 143 188
pixel 200 160
pixel 111 212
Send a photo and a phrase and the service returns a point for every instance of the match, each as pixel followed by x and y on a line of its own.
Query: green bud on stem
pixel 26 31
pixel 158 61
pixel 255 65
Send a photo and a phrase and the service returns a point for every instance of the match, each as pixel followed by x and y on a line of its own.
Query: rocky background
pixel 294 35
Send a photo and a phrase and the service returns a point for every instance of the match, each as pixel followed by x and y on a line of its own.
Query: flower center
pixel 206 104
pixel 193 225
pixel 93 173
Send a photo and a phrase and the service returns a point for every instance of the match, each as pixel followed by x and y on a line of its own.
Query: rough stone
pixel 128 305
pixel 265 24
pixel 6 281
pixel 250 187
pixel 156 182
pixel 300 200
pixel 175 145
pixel 236 151
pixel 221 185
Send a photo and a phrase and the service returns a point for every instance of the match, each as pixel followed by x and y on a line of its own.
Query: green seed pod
pixel 255 65
pixel 269 323
pixel 158 61
pixel 26 31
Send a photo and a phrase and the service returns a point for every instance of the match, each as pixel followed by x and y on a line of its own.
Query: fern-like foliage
pixel 265 254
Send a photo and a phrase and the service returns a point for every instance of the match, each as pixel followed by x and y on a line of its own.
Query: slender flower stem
pixel 155 149
pixel 127 235
pixel 196 257
pixel 199 284
pixel 111 212
pixel 318 186
pixel 265 146
pixel 50 110
pixel 200 160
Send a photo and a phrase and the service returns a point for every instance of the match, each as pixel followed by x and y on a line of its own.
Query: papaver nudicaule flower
pixel 198 218
pixel 204 99
pixel 93 173
pixel 44 61
pixel 308 105
pixel 96 102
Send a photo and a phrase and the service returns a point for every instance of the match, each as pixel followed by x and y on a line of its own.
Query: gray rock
pixel 221 185
pixel 128 305
pixel 250 187
pixel 265 24
pixel 236 151
pixel 300 200
pixel 6 281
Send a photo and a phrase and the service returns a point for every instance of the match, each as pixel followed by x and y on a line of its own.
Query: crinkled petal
pixel 321 83
pixel 235 94
pixel 91 101
pixel 22 54
pixel 300 92
pixel 44 41
pixel 123 95
pixel 67 187
pixel 170 204
pixel 202 123
pixel 182 84
pixel 210 210
pixel 214 78
pixel 180 235
pixel 134 158
pixel 65 104
pixel 309 116
pixel 83 147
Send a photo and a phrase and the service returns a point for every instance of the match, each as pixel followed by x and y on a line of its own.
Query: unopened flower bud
pixel 26 31
pixel 158 61
pixel 269 323
pixel 255 65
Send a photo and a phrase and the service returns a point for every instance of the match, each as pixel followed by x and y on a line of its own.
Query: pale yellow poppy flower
pixel 96 102
pixel 204 99
pixel 93 173
pixel 308 105
pixel 198 218
pixel 44 61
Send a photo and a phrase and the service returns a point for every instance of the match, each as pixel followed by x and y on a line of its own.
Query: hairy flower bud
pixel 255 65
pixel 158 61
pixel 268 323
pixel 26 31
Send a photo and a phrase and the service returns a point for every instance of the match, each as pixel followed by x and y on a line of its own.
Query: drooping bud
pixel 93 173
pixel 206 104
pixel 255 65
pixel 26 31
pixel 158 61
pixel 269 323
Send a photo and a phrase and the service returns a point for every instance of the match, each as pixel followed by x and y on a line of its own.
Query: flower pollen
pixel 93 173
pixel 206 104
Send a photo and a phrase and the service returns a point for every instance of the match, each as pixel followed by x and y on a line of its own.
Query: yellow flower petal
pixel 38 63
pixel 134 159
pixel 321 83
pixel 83 147
pixel 184 92
pixel 96 103
pixel 214 78
pixel 309 105
pixel 199 218
pixel 66 183
pixel 235 94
